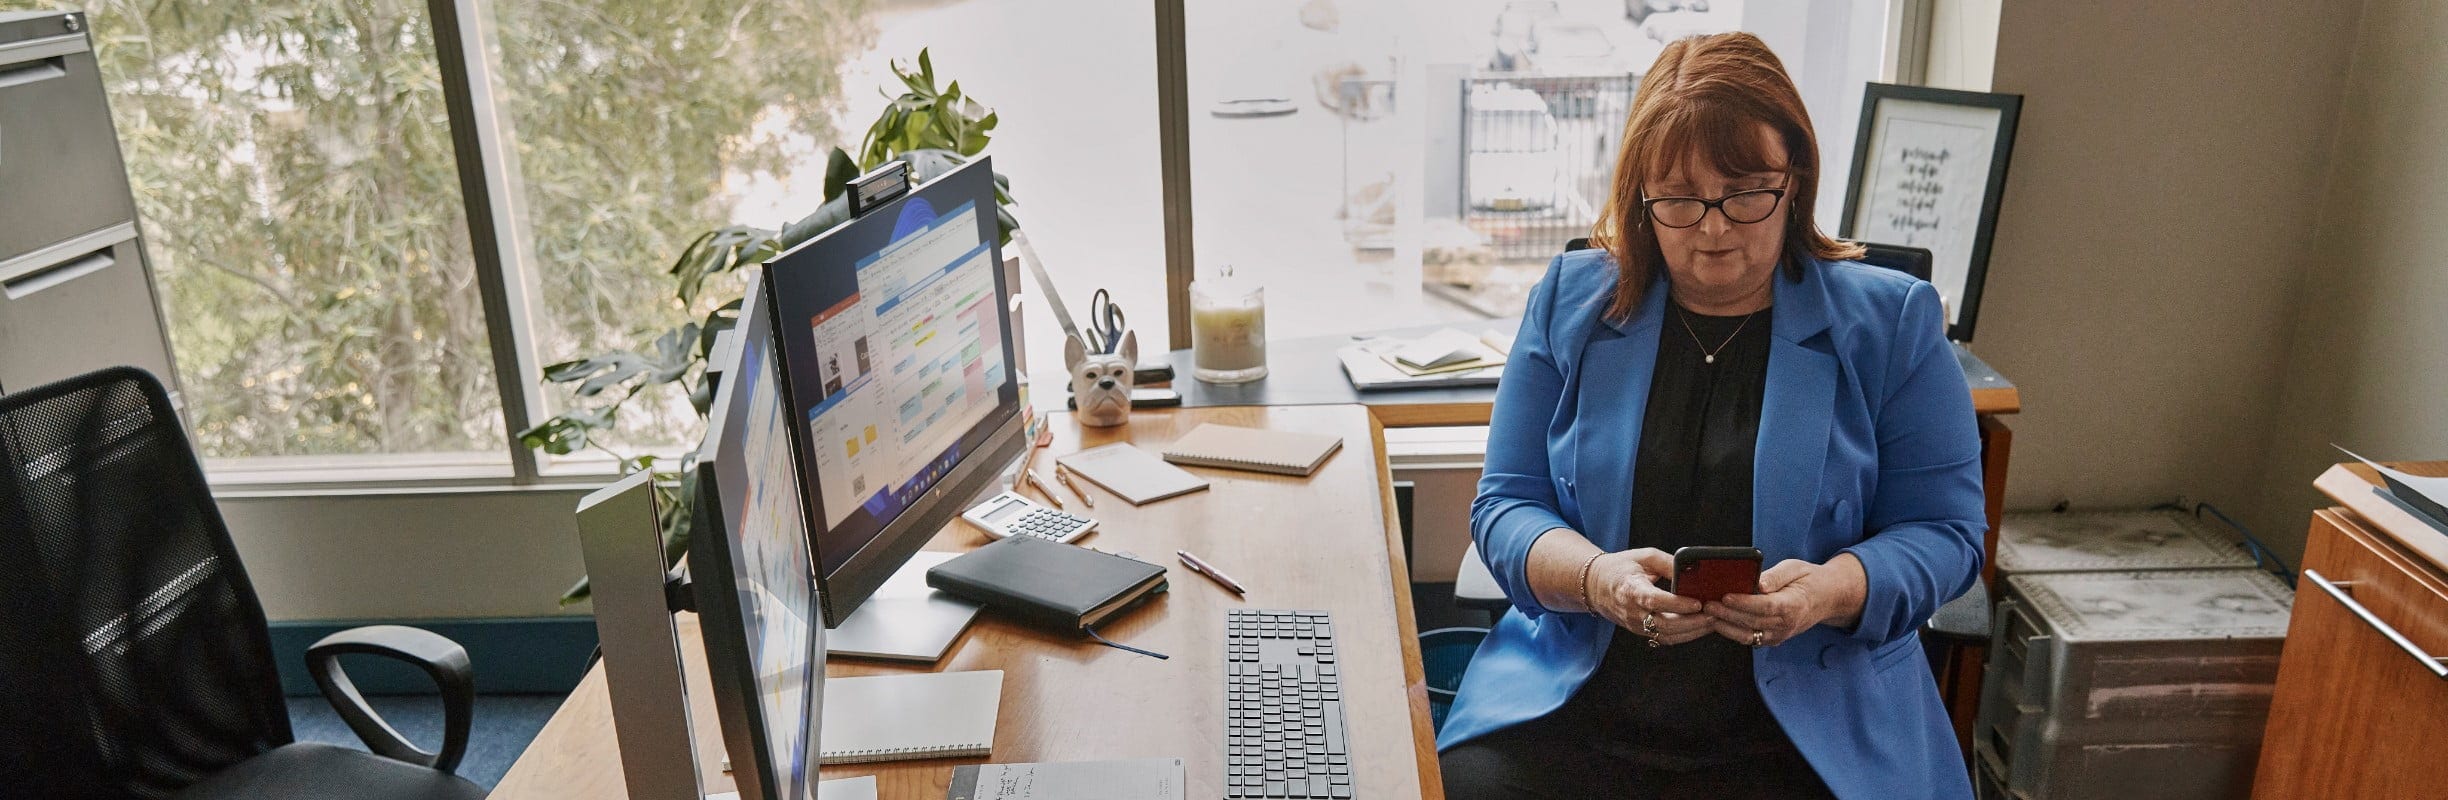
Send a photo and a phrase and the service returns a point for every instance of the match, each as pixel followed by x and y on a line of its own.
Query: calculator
pixel 1009 514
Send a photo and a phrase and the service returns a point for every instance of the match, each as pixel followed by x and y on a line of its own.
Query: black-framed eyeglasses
pixel 1742 208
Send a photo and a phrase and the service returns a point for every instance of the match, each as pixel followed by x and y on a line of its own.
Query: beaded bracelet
pixel 1585 569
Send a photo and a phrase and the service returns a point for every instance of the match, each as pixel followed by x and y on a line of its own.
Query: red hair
pixel 1703 102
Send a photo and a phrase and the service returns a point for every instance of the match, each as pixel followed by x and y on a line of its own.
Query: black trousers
pixel 1554 758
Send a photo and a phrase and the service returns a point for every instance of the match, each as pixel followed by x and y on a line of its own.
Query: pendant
pixel 1708 359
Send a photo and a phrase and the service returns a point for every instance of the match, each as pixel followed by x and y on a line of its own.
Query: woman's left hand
pixel 1795 595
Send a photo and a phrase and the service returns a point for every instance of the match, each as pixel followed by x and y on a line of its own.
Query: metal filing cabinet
pixel 2127 685
pixel 76 292
pixel 2112 540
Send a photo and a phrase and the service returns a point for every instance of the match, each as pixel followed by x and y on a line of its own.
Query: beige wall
pixel 2368 368
pixel 440 555
pixel 2148 261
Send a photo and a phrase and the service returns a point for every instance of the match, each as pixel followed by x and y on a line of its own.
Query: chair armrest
pixel 442 659
pixel 1963 620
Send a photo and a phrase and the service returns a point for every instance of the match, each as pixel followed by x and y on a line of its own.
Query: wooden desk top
pixel 1327 542
pixel 1306 371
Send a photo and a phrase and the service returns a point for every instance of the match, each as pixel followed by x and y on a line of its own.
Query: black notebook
pixel 1038 581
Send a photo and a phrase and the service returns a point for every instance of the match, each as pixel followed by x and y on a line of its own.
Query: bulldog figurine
pixel 1101 383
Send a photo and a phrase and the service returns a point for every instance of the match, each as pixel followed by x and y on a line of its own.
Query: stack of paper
pixel 2424 497
pixel 1460 359
pixel 1447 350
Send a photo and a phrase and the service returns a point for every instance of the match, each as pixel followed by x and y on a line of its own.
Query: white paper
pixel 847 789
pixel 1142 779
pixel 1927 174
pixel 863 788
pixel 1444 347
pixel 2432 489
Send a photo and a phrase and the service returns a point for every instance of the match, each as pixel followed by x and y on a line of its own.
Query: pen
pixel 1041 488
pixel 1063 474
pixel 1212 573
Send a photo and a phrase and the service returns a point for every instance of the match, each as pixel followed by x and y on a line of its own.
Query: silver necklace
pixel 1707 355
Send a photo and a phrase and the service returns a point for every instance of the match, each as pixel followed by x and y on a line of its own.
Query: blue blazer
pixel 1867 445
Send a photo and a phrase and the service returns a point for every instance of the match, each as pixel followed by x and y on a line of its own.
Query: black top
pixel 1691 705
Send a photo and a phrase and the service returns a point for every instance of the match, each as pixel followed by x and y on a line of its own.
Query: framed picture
pixel 1929 166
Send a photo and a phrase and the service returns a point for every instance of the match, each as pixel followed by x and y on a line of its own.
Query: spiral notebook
pixel 925 715
pixel 1254 449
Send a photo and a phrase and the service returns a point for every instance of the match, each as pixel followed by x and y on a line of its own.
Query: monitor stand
pixel 905 620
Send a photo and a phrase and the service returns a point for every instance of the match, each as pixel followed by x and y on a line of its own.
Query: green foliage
pixel 934 130
pixel 293 164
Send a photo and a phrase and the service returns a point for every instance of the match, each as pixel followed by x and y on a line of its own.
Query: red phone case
pixel 1713 578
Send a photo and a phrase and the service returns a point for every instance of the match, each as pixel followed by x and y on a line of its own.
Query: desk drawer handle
pixel 2337 591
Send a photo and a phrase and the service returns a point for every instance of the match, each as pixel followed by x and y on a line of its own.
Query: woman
pixel 1719 374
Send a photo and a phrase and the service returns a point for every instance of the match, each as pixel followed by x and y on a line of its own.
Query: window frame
pixel 466 47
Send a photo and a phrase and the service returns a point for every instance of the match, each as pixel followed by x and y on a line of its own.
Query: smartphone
pixel 1710 573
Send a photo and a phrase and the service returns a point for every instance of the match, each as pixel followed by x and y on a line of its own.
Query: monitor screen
pixel 761 623
pixel 897 346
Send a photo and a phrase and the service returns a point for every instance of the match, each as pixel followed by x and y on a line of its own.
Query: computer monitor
pixel 748 557
pixel 896 342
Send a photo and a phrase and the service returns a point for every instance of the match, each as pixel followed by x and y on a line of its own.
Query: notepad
pixel 1445 347
pixel 1254 449
pixel 1140 779
pixel 926 715
pixel 1134 474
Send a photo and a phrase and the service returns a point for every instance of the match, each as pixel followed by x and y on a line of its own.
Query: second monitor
pixel 896 340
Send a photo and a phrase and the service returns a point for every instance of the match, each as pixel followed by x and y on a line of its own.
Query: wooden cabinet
pixel 2361 707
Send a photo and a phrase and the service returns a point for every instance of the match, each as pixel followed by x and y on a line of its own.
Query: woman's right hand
pixel 1623 589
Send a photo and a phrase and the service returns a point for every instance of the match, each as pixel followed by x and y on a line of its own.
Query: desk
pixel 2355 713
pixel 1325 542
pixel 1306 371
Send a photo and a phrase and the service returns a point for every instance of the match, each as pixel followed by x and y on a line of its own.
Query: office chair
pixel 134 658
pixel 1914 261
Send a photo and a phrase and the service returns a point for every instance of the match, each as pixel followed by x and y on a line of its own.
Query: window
pixel 635 126
pixel 1382 163
pixel 302 209
pixel 1073 84
pixel 1376 162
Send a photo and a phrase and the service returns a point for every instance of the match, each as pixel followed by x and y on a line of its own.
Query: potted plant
pixel 933 129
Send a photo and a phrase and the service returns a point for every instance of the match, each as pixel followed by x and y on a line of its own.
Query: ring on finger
pixel 1649 624
pixel 1759 638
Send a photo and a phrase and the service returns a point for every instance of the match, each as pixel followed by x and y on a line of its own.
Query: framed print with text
pixel 1929 167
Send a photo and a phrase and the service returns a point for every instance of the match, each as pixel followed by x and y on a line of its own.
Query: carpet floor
pixel 502 726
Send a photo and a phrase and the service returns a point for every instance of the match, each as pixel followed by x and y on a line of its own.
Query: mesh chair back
pixel 134 659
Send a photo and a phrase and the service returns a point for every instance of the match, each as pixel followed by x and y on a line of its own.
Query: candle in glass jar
pixel 1227 331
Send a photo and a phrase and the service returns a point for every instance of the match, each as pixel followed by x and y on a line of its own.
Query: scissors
pixel 1105 323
